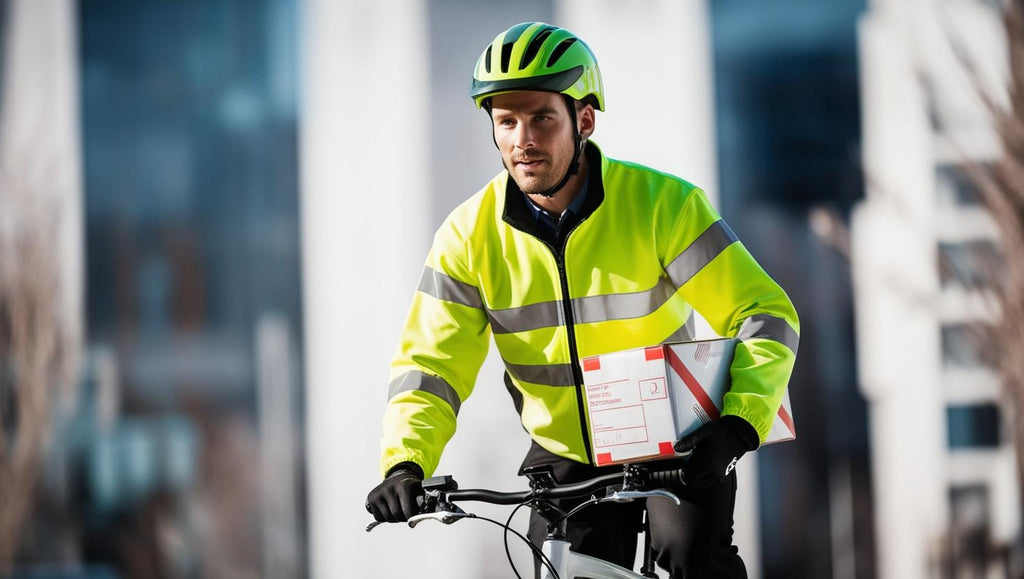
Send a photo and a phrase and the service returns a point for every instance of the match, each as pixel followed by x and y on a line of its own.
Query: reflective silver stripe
pixel 546 374
pixel 416 380
pixel 623 306
pixel 686 332
pixel 586 310
pixel 771 328
pixel 444 287
pixel 705 248
pixel 525 318
pixel 619 306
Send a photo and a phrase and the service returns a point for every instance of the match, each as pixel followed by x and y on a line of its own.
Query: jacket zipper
pixel 557 248
pixel 570 332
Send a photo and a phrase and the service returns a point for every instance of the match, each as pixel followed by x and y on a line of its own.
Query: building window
pixel 973 426
pixel 971 264
pixel 968 345
pixel 956 186
pixel 970 513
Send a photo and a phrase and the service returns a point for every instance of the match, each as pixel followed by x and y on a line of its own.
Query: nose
pixel 522 136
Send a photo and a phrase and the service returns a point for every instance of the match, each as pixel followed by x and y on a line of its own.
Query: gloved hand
pixel 395 499
pixel 717 447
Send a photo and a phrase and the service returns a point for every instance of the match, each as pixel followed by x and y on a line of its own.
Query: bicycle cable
pixel 504 539
pixel 593 501
pixel 537 552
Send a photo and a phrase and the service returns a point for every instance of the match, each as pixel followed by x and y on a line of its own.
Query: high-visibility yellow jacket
pixel 645 250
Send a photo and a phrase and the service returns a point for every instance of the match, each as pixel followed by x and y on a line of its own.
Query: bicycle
pixel 559 561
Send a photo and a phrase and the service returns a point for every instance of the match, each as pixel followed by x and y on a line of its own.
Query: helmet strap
pixel 577 145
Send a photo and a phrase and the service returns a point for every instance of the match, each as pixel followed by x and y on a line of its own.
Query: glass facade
pixel 185 455
pixel 787 111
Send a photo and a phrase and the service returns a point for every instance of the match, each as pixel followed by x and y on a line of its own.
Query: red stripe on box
pixel 654 353
pixel 604 458
pixel 665 448
pixel 590 364
pixel 692 384
pixel 787 420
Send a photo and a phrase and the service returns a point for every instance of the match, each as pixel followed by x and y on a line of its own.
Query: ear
pixel 586 118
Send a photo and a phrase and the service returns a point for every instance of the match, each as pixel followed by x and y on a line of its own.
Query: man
pixel 569 254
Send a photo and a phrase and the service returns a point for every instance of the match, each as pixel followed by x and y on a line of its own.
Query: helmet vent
pixel 534 47
pixel 513 34
pixel 560 50
pixel 506 55
pixel 487 60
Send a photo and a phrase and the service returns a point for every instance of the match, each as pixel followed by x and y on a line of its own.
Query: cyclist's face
pixel 533 131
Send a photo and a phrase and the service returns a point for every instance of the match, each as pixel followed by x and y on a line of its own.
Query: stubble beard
pixel 537 185
pixel 540 184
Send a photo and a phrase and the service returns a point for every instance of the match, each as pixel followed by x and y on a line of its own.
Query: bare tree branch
pixel 1001 190
pixel 33 348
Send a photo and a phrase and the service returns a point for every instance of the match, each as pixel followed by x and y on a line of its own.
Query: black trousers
pixel 693 540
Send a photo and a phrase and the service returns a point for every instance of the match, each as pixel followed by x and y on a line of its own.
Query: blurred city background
pixel 213 214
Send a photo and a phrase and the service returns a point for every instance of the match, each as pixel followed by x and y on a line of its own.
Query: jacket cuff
pixel 405 456
pixel 743 430
pixel 761 427
pixel 407 466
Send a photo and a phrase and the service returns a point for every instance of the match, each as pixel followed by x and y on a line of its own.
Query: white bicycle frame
pixel 572 565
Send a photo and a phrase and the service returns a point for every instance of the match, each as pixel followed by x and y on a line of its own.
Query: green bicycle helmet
pixel 538 56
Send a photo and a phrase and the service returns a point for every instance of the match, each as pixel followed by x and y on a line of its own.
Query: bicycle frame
pixel 569 564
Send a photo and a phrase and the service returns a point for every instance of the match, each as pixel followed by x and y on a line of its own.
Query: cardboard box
pixel 641 401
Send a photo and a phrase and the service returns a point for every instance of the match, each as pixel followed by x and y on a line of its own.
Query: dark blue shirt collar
pixel 549 219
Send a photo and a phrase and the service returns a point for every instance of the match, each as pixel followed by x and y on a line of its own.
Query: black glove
pixel 396 499
pixel 717 447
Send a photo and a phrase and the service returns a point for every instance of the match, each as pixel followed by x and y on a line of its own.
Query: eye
pixel 507 122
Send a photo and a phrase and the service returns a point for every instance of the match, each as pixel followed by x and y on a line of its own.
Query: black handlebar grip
pixel 666 478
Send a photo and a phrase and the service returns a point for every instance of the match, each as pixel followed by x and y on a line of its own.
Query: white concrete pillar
pixel 40 157
pixel 656 62
pixel 895 280
pixel 365 175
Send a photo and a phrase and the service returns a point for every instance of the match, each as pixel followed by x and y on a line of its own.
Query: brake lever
pixel 429 498
pixel 629 496
pixel 446 517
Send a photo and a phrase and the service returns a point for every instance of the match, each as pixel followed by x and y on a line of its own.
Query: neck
pixel 560 201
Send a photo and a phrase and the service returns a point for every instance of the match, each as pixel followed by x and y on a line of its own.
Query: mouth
pixel 529 163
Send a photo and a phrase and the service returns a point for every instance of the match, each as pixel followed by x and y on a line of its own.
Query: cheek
pixel 503 141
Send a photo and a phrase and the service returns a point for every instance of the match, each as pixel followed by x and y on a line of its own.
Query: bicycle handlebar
pixel 652 479
pixel 581 489
pixel 666 478
pixel 636 479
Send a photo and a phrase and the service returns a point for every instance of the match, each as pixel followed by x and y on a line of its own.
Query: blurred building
pixel 258 186
pixel 947 502
pixel 788 129
pixel 175 124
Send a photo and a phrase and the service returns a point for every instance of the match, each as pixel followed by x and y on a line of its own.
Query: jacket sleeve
pixel 442 346
pixel 717 275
